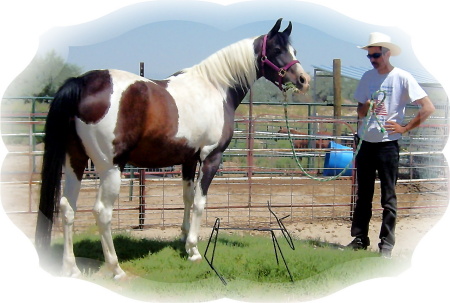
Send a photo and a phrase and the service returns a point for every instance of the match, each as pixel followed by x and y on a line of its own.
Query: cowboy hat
pixel 379 39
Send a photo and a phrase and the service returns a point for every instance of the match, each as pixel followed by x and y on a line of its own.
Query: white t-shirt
pixel 400 89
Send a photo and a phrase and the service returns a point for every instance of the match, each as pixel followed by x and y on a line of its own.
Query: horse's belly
pixel 156 154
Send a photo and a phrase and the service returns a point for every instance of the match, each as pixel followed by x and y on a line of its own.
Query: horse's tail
pixel 57 127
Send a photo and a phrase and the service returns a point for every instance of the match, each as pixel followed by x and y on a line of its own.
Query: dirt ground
pixel 15 194
pixel 409 231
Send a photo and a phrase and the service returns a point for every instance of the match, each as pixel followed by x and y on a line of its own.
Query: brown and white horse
pixel 114 117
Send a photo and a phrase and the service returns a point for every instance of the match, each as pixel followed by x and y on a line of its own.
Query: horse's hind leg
pixel 103 208
pixel 67 208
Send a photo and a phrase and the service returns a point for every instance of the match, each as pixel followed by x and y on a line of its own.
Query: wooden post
pixel 337 95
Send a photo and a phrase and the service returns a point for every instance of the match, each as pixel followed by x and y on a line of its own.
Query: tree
pixel 324 89
pixel 42 77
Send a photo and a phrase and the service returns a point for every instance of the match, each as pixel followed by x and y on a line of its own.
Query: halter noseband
pixel 281 71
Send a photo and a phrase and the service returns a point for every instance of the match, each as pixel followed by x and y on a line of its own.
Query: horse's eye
pixel 277 51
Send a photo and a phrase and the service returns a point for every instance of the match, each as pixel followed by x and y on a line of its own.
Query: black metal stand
pixel 276 245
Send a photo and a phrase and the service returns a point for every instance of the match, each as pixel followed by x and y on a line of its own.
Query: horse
pixel 115 117
pixel 320 142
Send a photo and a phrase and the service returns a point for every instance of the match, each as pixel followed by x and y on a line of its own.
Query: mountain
pixel 171 35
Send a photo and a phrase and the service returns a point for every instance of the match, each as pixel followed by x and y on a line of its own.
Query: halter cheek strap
pixel 281 71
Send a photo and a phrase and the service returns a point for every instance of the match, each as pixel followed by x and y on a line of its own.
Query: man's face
pixel 377 58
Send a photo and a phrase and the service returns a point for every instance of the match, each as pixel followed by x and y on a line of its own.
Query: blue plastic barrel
pixel 337 159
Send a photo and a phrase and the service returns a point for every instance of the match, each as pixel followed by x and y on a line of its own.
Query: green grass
pixel 159 269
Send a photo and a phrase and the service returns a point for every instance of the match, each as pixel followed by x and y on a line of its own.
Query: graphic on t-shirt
pixel 380 109
pixel 379 106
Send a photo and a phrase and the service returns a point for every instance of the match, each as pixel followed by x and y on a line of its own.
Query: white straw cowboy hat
pixel 379 39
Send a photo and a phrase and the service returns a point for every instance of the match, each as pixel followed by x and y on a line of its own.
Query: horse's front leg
pixel 208 169
pixel 188 199
pixel 188 173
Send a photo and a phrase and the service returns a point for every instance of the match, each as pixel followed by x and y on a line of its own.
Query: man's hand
pixel 394 128
pixel 427 108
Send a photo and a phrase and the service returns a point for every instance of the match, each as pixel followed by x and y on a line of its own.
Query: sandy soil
pixel 409 232
pixel 410 229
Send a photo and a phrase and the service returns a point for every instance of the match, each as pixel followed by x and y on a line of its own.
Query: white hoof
pixel 120 276
pixel 116 271
pixel 194 255
pixel 195 258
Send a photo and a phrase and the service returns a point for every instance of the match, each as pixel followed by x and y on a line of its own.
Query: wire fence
pixel 258 168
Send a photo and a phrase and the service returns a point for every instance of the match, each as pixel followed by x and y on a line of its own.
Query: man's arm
pixel 362 109
pixel 427 108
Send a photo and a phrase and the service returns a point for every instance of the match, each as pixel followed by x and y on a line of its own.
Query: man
pixel 392 89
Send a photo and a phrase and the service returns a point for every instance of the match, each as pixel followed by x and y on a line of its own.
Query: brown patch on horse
pixel 95 98
pixel 146 128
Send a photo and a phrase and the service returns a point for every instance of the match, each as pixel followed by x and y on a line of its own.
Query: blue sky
pixel 170 35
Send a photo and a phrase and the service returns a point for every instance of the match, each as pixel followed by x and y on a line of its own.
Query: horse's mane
pixel 230 66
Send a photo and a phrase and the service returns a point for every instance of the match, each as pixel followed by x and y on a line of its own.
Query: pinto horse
pixel 114 117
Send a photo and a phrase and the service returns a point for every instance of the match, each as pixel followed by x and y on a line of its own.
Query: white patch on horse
pixel 200 92
pixel 297 68
pixel 200 110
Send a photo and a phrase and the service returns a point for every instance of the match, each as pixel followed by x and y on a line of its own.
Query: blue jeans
pixel 383 158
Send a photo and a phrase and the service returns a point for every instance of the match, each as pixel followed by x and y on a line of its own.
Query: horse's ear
pixel 288 29
pixel 275 28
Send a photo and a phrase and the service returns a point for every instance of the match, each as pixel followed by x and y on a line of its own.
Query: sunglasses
pixel 374 55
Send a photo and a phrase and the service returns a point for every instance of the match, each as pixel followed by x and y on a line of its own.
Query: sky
pixel 171 35
pixel 24 25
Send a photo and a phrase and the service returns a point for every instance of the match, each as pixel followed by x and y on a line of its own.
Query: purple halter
pixel 281 71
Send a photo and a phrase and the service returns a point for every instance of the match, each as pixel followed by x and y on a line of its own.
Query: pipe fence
pixel 257 168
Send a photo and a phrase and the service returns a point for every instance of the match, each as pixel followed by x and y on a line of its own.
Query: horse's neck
pixel 231 70
pixel 237 94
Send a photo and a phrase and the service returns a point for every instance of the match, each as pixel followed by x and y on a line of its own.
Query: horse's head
pixel 277 59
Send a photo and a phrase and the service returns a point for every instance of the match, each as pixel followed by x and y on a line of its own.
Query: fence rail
pixel 257 168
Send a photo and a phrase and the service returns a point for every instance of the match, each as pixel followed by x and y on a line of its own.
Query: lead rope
pixel 380 102
pixel 370 112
